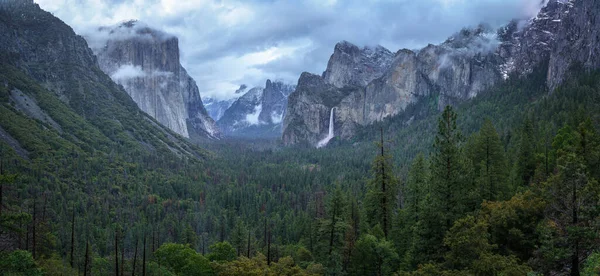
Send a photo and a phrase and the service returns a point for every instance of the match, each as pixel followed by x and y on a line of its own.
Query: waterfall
pixel 330 135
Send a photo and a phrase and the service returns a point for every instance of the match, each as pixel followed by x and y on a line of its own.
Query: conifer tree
pixel 525 166
pixel 416 187
pixel 489 161
pixel 381 193
pixel 448 185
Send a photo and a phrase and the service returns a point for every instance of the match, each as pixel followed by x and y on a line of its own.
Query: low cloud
pixel 252 118
pixel 129 71
pixel 97 37
pixel 126 72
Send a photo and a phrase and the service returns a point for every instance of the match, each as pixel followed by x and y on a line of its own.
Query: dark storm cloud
pixel 225 42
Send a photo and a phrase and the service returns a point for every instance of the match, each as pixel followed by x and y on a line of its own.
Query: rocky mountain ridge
pixel 365 87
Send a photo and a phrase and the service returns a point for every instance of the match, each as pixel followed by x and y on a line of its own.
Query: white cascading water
pixel 330 135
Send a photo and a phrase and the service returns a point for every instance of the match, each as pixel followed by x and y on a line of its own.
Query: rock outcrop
pixel 369 85
pixel 146 63
pixel 274 102
pixel 352 66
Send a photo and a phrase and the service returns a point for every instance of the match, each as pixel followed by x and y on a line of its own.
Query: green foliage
pixel 450 188
pixel 381 191
pixel 467 241
pixel 181 260
pixel 258 266
pixel 373 256
pixel 572 213
pixel 19 262
pixel 489 163
pixel 56 266
pixel 513 223
pixel 592 265
pixel 221 252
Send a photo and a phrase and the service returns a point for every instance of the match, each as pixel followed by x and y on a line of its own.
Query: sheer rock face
pixel 577 40
pixel 457 69
pixel 352 66
pixel 259 112
pixel 369 86
pixel 146 63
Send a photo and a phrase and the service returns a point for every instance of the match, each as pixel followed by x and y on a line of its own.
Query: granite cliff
pixel 146 62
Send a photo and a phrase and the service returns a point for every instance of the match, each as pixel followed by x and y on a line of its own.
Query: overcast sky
pixel 228 43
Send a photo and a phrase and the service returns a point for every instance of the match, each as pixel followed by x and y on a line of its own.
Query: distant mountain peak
pixel 259 112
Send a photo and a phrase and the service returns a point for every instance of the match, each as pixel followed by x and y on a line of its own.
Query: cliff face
pixel 259 112
pixel 146 62
pixel 577 41
pixel 352 66
pixel 368 85
pixel 456 70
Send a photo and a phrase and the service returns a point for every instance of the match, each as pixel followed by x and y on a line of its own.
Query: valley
pixel 476 156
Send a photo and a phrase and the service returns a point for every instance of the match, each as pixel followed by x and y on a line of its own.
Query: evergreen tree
pixel 448 185
pixel 332 230
pixel 416 187
pixel 573 197
pixel 525 166
pixel 489 161
pixel 381 193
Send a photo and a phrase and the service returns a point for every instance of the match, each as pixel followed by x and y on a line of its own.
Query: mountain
pixel 259 112
pixel 55 97
pixel 216 108
pixel 367 85
pixel 146 62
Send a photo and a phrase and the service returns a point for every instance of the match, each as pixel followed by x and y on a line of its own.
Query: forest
pixel 503 184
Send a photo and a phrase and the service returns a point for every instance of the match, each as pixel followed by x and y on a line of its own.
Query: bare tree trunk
pixel 269 248
pixel 33 251
pixel 122 258
pixel 248 253
pixel 134 258
pixel 383 189
pixel 72 235
pixel 116 254
pixel 144 257
pixel 87 257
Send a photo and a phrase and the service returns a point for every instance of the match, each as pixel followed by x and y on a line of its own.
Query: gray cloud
pixel 226 43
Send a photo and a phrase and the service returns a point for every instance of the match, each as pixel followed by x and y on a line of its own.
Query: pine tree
pixel 381 193
pixel 448 185
pixel 489 161
pixel 525 166
pixel 416 187
pixel 332 230
pixel 573 197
